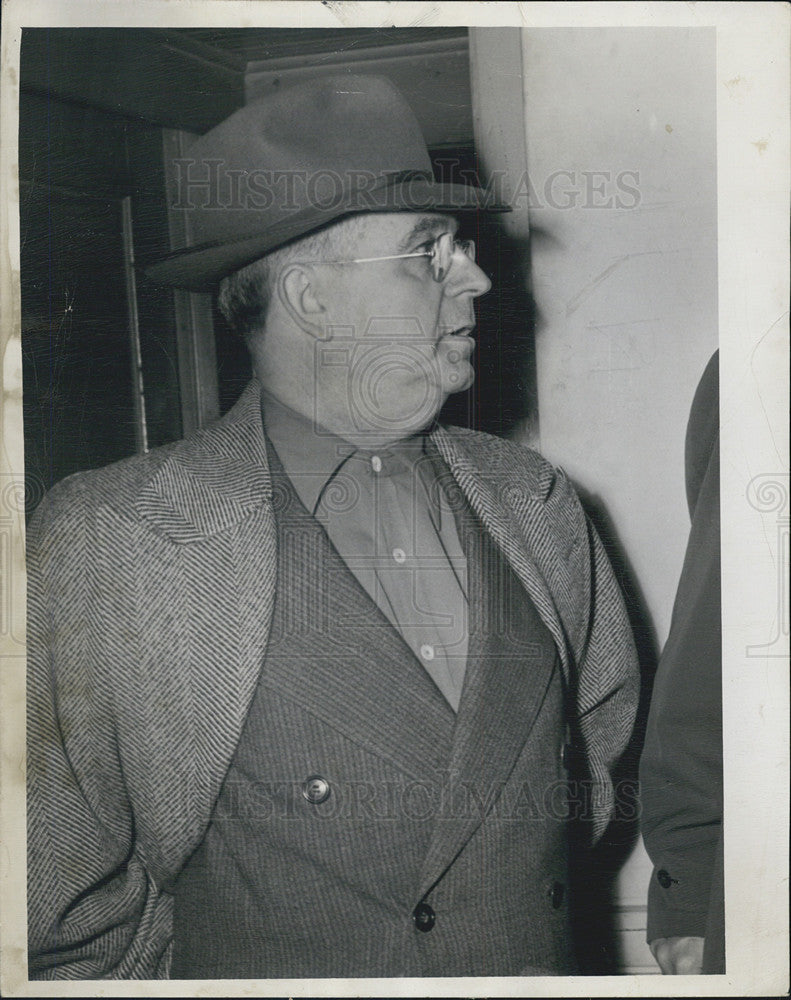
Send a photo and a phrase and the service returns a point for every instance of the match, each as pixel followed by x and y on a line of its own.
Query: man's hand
pixel 678 956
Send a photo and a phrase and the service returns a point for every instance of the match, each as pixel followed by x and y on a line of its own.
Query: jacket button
pixel 424 917
pixel 664 879
pixel 556 895
pixel 316 790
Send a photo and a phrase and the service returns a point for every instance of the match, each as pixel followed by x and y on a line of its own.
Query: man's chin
pixel 460 379
pixel 454 353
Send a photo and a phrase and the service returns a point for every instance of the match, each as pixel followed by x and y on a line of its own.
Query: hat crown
pixel 310 143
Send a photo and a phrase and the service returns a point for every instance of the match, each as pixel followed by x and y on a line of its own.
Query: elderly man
pixel 321 690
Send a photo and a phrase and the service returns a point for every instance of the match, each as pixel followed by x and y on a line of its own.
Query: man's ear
pixel 299 293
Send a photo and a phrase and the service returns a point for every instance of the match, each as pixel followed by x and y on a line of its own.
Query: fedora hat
pixel 294 161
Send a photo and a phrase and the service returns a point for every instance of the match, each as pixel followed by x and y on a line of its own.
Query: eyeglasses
pixel 440 251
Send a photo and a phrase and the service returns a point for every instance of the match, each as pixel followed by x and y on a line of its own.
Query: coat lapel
pixel 510 507
pixel 212 497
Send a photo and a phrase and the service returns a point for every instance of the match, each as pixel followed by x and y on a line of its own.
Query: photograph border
pixel 753 208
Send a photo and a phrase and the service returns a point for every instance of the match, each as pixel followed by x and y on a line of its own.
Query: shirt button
pixel 316 790
pixel 424 917
pixel 376 463
pixel 427 651
pixel 399 555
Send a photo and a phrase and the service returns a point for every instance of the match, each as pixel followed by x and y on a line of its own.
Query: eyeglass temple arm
pixel 393 256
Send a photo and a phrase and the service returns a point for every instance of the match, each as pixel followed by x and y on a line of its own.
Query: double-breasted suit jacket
pixel 150 600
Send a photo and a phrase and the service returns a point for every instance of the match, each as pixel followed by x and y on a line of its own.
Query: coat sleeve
pixel 681 766
pixel 603 676
pixel 93 910
pixel 607 684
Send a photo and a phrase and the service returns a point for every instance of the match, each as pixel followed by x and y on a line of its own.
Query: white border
pixel 753 158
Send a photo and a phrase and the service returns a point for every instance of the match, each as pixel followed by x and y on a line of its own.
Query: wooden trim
pixel 197 360
pixel 499 124
pixel 138 385
pixel 433 76
pixel 197 352
pixel 180 40
pixel 498 112
pixel 350 57
pixel 47 187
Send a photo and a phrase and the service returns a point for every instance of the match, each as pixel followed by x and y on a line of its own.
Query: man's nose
pixel 465 276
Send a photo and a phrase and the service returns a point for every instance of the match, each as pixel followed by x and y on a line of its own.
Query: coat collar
pixel 218 476
pixel 213 479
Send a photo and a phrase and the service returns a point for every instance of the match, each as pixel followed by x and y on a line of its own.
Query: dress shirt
pixel 388 517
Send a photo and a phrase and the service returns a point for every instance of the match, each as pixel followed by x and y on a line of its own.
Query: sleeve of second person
pixel 681 765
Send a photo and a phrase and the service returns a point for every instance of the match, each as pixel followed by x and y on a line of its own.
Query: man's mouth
pixel 456 345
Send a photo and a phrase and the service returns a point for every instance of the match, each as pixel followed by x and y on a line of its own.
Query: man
pixel 681 765
pixel 319 690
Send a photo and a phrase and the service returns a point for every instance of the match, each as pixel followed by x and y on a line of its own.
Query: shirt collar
pixel 311 455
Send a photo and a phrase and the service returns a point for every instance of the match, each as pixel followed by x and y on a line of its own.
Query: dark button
pixel 557 894
pixel 315 789
pixel 424 917
pixel 664 879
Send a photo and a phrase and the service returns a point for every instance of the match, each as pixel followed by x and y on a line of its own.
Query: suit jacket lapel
pixel 332 650
pixel 508 675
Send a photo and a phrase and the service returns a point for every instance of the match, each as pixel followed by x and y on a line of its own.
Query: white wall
pixel 626 296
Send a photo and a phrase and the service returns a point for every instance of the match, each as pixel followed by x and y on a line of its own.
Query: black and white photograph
pixel 395 499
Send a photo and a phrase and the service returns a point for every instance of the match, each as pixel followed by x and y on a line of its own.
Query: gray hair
pixel 244 296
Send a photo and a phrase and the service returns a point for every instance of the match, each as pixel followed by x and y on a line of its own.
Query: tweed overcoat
pixel 150 594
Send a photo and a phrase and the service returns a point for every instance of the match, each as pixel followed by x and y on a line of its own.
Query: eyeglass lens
pixel 443 254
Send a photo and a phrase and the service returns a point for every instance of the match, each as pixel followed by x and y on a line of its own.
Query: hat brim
pixel 200 268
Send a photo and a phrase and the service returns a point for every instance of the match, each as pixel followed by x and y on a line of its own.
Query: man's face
pixel 397 342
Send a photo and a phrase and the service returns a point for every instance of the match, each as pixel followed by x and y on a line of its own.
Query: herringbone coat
pixel 150 594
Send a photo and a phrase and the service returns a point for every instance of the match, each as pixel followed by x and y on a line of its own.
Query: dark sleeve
pixel 681 766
